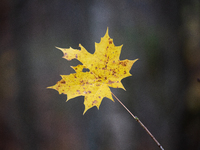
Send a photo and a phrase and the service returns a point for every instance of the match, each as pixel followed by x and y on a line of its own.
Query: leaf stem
pixel 138 120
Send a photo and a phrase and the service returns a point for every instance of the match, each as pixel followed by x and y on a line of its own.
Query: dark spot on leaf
pixel 110 82
pixel 124 72
pixel 76 56
pixel 123 63
pixel 110 42
pixel 113 72
pixel 78 91
pixel 89 91
pixel 94 102
pixel 99 96
pixel 65 54
pixel 63 82
pixel 105 78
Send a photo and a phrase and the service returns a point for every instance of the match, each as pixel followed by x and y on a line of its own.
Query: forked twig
pixel 138 120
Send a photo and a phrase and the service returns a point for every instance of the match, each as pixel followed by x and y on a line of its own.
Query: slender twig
pixel 138 120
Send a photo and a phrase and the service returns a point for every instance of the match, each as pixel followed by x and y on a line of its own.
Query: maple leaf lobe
pixel 105 70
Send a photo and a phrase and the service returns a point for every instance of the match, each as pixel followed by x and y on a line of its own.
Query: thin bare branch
pixel 138 120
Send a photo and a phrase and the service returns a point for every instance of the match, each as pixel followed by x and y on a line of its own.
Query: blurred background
pixel 163 91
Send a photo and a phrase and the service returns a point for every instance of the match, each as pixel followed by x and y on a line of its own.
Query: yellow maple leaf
pixel 105 70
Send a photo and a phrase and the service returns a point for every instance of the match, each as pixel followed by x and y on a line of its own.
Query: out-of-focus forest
pixel 163 91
